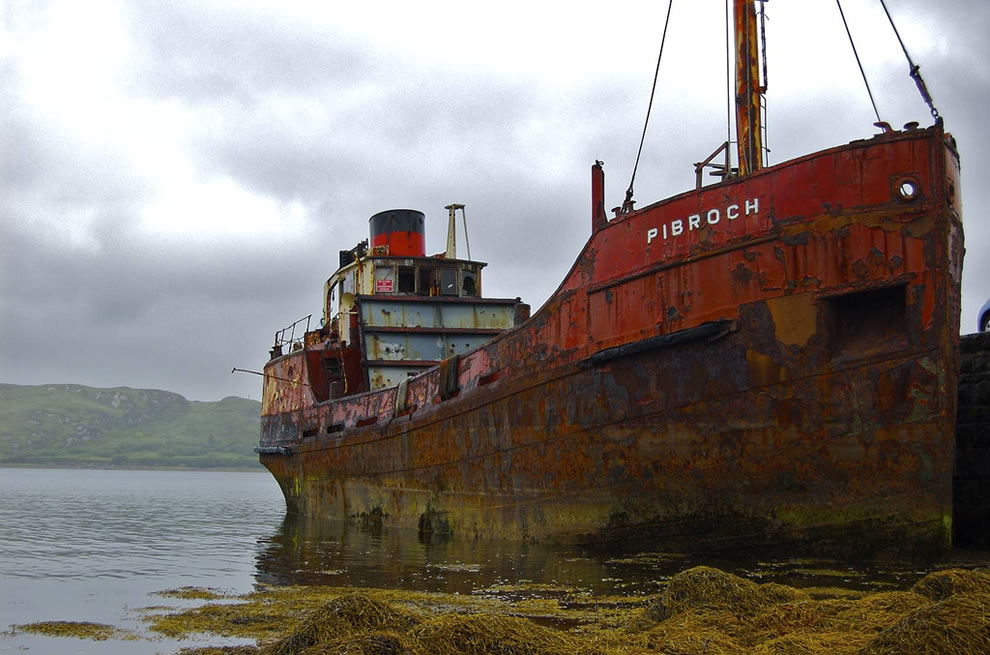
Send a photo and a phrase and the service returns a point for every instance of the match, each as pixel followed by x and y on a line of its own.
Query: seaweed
pixel 192 593
pixel 939 585
pixel 701 610
pixel 221 650
pixel 339 618
pixel 491 635
pixel 76 629
pixel 705 586
pixel 960 624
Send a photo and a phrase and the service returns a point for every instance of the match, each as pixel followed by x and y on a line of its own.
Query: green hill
pixel 73 425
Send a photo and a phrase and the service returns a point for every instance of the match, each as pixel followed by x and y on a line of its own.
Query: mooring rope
pixel 627 203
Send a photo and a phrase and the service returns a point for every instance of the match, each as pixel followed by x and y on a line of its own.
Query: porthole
pixel 907 189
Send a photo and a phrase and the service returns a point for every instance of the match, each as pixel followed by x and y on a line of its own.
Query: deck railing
pixel 291 337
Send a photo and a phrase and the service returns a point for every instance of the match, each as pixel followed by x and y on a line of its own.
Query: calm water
pixel 86 545
pixel 81 545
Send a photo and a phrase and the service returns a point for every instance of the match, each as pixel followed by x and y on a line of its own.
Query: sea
pixel 100 545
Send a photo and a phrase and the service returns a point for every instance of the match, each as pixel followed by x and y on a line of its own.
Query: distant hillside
pixel 73 425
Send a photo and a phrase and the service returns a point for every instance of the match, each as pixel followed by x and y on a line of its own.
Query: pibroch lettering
pixel 678 226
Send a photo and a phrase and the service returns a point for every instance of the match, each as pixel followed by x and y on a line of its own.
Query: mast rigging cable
pixel 628 202
pixel 858 62
pixel 915 70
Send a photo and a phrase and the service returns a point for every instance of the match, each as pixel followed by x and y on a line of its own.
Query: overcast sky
pixel 176 178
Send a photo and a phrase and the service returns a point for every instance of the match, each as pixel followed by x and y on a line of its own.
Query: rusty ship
pixel 769 360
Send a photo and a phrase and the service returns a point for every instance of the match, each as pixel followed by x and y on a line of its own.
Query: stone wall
pixel 971 480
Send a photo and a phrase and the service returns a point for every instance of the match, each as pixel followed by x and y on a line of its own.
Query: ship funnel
pixel 398 232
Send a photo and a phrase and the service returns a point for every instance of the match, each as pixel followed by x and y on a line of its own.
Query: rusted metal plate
pixel 436 312
pixel 406 346
pixel 819 414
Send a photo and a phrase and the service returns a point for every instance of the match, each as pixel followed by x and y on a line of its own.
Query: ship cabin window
pixel 425 282
pixel 407 279
pixel 333 299
pixel 448 281
pixel 469 284
pixel 347 285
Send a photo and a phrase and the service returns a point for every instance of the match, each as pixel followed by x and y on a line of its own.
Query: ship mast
pixel 748 90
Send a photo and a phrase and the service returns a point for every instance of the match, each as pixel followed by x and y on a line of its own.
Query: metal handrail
pixel 292 340
pixel 720 170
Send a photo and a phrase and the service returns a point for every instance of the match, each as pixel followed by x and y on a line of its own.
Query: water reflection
pixel 312 551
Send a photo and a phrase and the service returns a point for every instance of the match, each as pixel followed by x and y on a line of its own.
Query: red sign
pixel 383 286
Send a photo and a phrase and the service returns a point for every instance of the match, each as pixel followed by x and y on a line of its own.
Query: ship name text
pixel 679 226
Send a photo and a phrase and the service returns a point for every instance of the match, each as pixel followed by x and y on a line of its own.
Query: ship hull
pixel 788 382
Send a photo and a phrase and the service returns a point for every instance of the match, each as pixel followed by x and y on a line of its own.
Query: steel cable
pixel 915 70
pixel 627 204
pixel 858 62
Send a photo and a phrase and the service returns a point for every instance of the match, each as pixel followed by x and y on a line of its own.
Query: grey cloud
pixel 199 53
pixel 134 317
pixel 392 138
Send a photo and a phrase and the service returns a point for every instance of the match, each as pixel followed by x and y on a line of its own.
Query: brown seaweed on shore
pixel 76 629
pixel 221 650
pixel 247 620
pixel 491 635
pixel 960 625
pixel 939 585
pixel 341 617
pixel 701 611
pixel 192 593
pixel 704 586
pixel 364 643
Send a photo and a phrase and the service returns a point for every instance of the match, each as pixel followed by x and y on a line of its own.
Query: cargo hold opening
pixel 867 321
